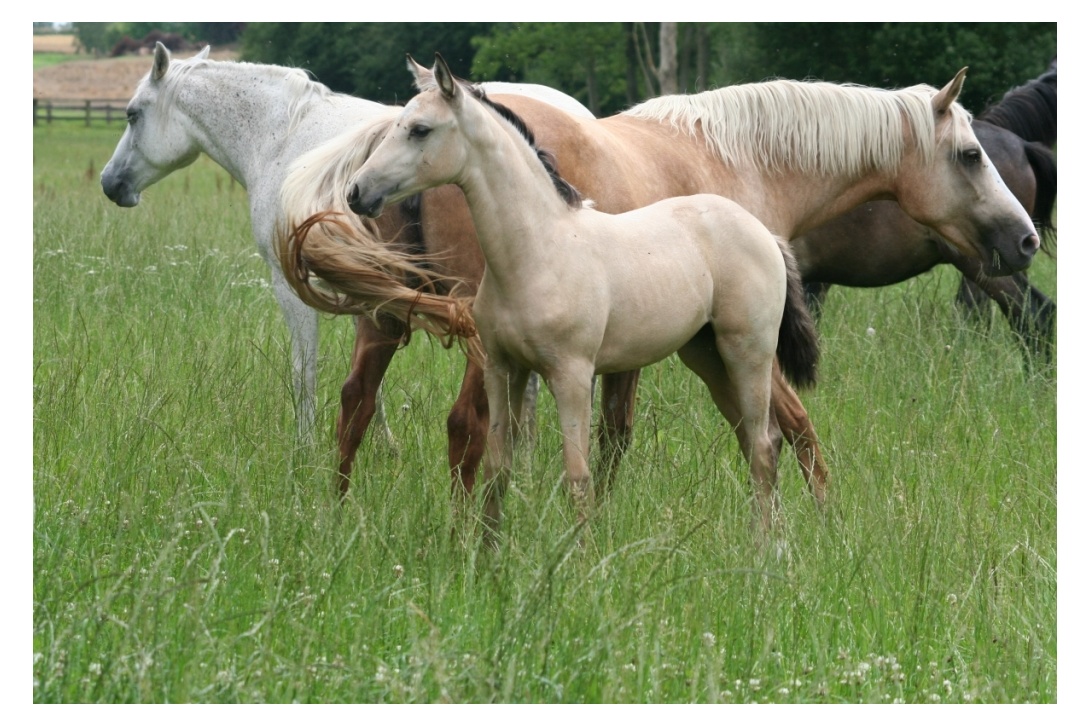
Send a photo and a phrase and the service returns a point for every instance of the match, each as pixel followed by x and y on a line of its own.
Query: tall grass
pixel 187 549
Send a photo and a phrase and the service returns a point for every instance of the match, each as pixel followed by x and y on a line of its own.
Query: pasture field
pixel 185 549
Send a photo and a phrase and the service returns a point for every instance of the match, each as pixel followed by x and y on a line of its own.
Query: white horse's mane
pixel 813 127
pixel 297 82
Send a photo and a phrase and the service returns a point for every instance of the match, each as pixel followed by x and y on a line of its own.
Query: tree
pixel 364 59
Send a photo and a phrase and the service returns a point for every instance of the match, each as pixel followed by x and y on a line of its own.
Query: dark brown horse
pixel 758 144
pixel 877 244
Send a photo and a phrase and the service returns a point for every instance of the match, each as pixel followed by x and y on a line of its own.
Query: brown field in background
pixel 94 78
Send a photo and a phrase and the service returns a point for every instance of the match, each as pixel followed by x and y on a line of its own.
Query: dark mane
pixel 567 192
pixel 1029 110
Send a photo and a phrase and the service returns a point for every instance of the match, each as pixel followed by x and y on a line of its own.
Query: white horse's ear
pixel 945 98
pixel 445 78
pixel 204 52
pixel 422 75
pixel 161 63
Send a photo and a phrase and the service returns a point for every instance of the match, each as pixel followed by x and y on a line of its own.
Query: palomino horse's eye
pixel 970 157
pixel 419 132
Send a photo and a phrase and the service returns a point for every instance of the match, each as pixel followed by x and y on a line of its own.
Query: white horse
pixel 570 292
pixel 254 121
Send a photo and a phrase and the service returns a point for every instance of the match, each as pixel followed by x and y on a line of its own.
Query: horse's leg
pixel 302 321
pixel 702 356
pixel 467 429
pixel 505 387
pixel 372 352
pixel 615 432
pixel 972 300
pixel 791 416
pixel 1032 315
pixel 571 388
pixel 750 374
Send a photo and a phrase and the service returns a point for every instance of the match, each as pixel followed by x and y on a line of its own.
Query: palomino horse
pixel 254 120
pixel 877 244
pixel 571 292
pixel 794 154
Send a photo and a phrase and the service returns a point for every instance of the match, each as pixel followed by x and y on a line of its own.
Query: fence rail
pixel 48 110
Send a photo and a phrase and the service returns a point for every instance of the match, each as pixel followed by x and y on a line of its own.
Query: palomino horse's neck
pixel 791 203
pixel 512 200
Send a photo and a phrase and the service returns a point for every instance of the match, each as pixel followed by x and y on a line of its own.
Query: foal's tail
pixel 797 348
pixel 332 269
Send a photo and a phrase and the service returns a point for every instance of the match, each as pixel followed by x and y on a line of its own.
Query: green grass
pixel 44 59
pixel 186 549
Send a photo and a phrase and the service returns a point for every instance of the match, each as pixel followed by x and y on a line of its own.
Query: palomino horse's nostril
pixel 1030 245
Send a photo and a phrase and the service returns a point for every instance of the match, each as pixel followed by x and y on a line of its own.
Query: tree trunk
pixel 667 70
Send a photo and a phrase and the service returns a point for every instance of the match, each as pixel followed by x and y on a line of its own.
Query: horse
pixel 795 154
pixel 254 120
pixel 571 292
pixel 877 244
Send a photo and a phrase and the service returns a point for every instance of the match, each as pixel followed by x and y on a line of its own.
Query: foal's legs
pixel 760 448
pixel 571 388
pixel 371 355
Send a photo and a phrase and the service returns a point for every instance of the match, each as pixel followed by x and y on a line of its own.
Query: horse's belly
pixel 654 324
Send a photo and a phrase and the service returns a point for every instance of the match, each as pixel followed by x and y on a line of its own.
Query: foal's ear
pixel 445 78
pixel 422 75
pixel 945 98
pixel 161 62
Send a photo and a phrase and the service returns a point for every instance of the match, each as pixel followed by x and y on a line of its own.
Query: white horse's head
pixel 416 153
pixel 156 141
pixel 957 191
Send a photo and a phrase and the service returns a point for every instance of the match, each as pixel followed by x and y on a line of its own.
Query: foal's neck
pixel 515 207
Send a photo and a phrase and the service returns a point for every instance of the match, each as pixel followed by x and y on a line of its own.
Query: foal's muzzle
pixel 369 205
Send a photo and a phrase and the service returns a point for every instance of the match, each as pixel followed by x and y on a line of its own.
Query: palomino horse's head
pixel 957 191
pixel 416 153
pixel 155 143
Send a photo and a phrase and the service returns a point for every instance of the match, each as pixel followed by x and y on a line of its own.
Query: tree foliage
pixel 609 66
pixel 364 59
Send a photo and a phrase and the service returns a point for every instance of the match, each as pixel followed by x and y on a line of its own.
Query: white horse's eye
pixel 419 132
pixel 132 116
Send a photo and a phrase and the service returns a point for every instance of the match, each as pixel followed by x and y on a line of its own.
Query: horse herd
pixel 508 218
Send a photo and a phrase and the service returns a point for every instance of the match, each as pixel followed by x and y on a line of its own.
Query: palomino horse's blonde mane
pixel 340 263
pixel 297 83
pixel 812 127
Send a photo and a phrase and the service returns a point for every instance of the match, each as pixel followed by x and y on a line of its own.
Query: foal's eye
pixel 419 132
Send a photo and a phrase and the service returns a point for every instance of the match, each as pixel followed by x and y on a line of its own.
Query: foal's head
pixel 430 142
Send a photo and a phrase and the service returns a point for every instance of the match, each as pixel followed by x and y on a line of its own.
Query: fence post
pixel 87 113
pixel 35 112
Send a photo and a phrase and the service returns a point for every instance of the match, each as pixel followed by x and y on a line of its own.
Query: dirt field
pixel 95 79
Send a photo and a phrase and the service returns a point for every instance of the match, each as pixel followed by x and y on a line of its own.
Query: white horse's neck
pixel 248 117
pixel 515 207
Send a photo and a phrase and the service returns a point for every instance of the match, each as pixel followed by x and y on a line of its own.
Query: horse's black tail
pixel 797 348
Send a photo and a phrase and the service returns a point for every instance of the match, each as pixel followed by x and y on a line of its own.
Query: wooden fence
pixel 85 110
